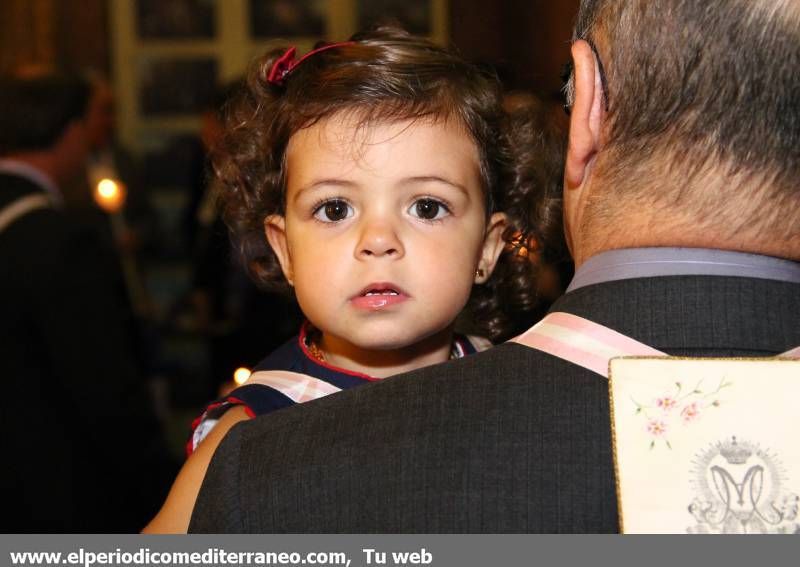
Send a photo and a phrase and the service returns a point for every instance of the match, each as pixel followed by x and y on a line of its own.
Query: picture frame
pixel 176 19
pixel 288 18
pixel 175 85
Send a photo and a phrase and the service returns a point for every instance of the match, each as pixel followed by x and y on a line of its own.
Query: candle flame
pixel 110 195
pixel 241 375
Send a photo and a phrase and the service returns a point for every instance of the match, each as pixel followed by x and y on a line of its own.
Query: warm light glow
pixel 241 375
pixel 107 189
pixel 110 195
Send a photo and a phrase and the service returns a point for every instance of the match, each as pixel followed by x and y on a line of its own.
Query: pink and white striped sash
pixel 296 386
pixel 589 344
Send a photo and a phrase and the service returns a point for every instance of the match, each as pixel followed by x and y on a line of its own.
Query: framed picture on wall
pixel 287 18
pixel 168 55
pixel 413 15
pixel 176 19
pixel 169 86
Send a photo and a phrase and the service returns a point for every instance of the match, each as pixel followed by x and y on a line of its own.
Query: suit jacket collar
pixel 692 315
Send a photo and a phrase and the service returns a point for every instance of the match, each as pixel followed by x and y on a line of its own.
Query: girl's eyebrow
pixel 344 183
pixel 434 179
pixel 327 182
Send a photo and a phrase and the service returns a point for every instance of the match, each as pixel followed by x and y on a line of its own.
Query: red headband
pixel 286 63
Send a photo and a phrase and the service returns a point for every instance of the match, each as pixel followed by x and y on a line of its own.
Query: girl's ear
pixel 275 229
pixel 493 245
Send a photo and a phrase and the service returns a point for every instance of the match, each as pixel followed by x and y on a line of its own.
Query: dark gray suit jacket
pixel 510 440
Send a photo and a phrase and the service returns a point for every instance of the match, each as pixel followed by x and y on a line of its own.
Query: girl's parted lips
pixel 380 288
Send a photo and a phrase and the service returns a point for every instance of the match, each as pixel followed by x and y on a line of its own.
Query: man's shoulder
pixel 47 234
pixel 49 248
pixel 506 378
pixel 430 439
pixel 13 188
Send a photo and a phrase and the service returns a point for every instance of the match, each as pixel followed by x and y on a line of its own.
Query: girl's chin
pixel 383 346
pixel 411 345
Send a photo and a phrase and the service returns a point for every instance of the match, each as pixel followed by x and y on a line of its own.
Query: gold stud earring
pixel 479 273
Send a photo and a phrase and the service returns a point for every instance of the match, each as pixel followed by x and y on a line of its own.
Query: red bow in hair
pixel 286 63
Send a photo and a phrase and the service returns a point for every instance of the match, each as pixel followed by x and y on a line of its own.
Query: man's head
pixel 42 118
pixel 685 127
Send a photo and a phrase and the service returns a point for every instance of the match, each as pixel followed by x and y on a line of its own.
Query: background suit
pixel 82 451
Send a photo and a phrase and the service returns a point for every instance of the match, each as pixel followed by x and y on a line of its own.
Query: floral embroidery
pixel 690 412
pixel 679 408
pixel 666 403
pixel 656 428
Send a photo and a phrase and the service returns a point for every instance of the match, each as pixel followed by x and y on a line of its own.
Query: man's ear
pixel 275 229
pixel 493 245
pixel 586 116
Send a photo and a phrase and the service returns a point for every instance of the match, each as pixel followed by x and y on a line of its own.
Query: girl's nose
pixel 379 238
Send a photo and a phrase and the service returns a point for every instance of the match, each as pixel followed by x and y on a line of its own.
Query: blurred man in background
pixel 82 449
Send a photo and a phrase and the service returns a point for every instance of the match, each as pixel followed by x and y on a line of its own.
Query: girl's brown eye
pixel 429 209
pixel 333 211
pixel 336 210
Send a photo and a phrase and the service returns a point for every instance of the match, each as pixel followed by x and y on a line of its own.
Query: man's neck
pixel 653 208
pixel 669 231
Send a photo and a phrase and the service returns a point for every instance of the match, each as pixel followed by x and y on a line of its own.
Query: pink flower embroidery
pixel 666 403
pixel 682 405
pixel 656 428
pixel 690 412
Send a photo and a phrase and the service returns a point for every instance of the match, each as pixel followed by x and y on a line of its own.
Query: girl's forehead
pixel 345 142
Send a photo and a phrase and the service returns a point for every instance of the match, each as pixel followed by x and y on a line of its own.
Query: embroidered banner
pixel 706 445
pixel 700 445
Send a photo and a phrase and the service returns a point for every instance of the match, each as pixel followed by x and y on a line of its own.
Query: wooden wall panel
pixel 539 34
pixel 82 34
pixel 27 33
pixel 528 40
pixel 476 29
pixel 44 33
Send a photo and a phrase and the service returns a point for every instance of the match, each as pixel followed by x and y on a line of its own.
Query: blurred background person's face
pixel 100 120
pixel 73 151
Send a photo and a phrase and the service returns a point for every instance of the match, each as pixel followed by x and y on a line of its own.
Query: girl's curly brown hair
pixel 384 75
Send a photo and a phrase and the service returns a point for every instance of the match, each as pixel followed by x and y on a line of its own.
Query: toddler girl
pixel 376 168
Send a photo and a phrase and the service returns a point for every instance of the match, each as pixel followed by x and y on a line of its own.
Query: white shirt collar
pixel 632 263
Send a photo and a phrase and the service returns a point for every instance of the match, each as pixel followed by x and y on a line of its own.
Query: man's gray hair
pixel 702 85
